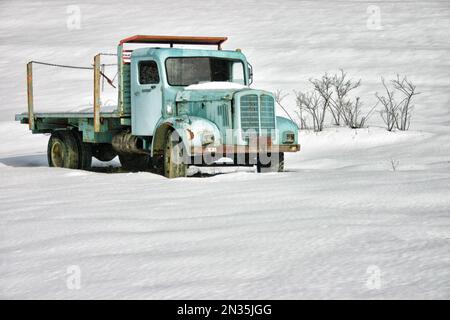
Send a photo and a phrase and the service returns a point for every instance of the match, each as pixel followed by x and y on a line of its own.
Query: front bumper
pixel 233 149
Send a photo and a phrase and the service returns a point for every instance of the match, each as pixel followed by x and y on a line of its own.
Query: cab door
pixel 146 96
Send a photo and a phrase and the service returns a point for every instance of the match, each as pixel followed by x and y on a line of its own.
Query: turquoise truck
pixel 176 107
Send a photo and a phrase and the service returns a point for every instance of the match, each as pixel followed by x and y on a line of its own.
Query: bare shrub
pixel 405 107
pixel 389 113
pixel 279 96
pixel 394 164
pixel 300 112
pixel 344 107
pixel 323 87
pixel 397 114
pixel 313 104
pixel 340 104
pixel 351 112
pixel 332 93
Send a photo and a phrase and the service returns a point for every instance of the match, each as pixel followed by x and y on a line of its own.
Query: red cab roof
pixel 175 40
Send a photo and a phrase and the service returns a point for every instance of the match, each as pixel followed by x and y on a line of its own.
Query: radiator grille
pixel 250 113
pixel 267 113
pixel 257 115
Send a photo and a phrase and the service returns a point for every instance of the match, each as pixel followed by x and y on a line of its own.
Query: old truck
pixel 176 107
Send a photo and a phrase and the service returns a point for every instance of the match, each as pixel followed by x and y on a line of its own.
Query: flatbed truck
pixel 176 107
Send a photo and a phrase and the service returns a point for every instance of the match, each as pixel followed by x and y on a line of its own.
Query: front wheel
pixel 273 163
pixel 174 156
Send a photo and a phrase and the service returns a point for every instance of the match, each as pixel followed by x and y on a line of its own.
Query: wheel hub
pixel 57 155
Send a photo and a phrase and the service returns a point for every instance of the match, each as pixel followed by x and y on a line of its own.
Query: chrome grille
pixel 267 111
pixel 250 113
pixel 257 115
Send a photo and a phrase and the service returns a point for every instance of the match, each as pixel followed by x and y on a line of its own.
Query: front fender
pixel 192 131
pixel 286 126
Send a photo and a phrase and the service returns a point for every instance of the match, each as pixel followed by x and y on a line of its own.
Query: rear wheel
pixel 275 163
pixel 174 156
pixel 62 150
pixel 135 162
pixel 84 152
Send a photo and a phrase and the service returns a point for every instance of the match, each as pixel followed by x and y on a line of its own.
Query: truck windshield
pixel 184 71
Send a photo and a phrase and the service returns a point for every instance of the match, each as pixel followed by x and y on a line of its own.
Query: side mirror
pixel 250 73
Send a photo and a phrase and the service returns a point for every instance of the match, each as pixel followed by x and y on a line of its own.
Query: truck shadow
pixel 108 169
pixel 40 160
pixel 205 174
pixel 34 160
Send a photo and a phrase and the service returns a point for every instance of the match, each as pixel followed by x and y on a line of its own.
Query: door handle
pixel 136 93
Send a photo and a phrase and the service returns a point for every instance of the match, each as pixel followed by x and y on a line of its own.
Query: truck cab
pixel 179 107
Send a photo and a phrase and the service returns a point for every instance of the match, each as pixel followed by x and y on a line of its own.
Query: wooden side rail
pixel 97 74
pixel 97 93
pixel 30 95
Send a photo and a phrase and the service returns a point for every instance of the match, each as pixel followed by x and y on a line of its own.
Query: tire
pixel 135 162
pixel 62 150
pixel 276 164
pixel 158 163
pixel 103 151
pixel 84 152
pixel 174 156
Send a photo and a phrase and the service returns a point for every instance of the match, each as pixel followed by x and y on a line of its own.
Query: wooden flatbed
pixel 69 115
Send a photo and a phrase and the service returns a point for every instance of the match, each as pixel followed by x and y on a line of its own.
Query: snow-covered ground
pixel 357 214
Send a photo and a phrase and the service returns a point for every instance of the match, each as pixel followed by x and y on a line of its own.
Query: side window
pixel 238 72
pixel 148 72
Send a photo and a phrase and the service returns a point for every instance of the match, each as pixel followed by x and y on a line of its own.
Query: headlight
pixel 289 137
